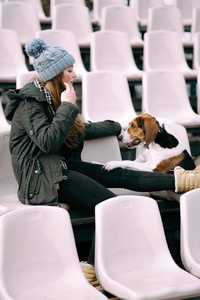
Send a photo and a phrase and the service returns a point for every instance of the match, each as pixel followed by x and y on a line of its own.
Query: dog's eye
pixel 132 126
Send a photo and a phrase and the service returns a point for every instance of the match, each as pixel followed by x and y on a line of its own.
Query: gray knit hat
pixel 49 61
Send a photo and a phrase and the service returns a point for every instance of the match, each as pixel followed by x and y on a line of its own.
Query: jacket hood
pixel 16 96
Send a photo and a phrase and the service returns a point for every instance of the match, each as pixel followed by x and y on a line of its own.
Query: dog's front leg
pixel 127 164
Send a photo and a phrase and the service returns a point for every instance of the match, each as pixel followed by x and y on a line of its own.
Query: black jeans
pixel 122 178
pixel 87 184
pixel 80 191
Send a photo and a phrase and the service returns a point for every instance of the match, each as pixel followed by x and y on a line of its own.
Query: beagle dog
pixel 159 149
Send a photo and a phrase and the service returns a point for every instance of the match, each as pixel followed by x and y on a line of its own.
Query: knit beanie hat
pixel 49 61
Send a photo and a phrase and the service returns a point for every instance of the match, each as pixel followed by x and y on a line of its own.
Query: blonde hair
pixel 55 87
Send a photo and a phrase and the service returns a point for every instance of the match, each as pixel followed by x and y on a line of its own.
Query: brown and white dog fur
pixel 159 150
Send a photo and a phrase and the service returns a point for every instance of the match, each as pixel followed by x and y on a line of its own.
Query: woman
pixel 47 137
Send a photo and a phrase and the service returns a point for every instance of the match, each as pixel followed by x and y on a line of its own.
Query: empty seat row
pixel 36 5
pixel 110 50
pixel 141 8
pixel 186 7
pixel 93 16
pixel 164 95
pixel 39 260
pixel 22 17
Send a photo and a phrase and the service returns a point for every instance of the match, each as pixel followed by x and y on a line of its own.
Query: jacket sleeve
pixel 48 135
pixel 96 130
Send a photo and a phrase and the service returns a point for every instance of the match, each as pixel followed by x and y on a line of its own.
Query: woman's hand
pixel 69 94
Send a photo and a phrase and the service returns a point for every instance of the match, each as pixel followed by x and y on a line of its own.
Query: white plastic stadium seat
pixel 179 131
pixel 132 259
pixel 196 52
pixel 165 96
pixel 24 78
pixel 167 57
pixel 168 18
pixel 106 95
pixel 20 17
pixel 142 9
pixel 99 4
pixel 186 7
pixel 122 18
pixel 74 18
pixel 39 8
pixel 190 231
pixel 195 28
pixel 12 60
pixel 8 184
pixel 111 51
pixel 66 40
pixel 39 259
pixel 58 2
pixel 103 150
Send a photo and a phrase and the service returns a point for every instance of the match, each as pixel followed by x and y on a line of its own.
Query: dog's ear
pixel 139 121
pixel 150 128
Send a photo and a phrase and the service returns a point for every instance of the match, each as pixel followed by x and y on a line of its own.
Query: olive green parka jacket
pixel 37 142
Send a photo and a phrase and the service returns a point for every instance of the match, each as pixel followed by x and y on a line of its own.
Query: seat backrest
pixel 43 247
pixel 165 18
pixel 24 78
pixel 74 18
pixel 195 27
pixel 131 252
pixel 137 239
pixel 165 96
pixel 101 150
pixel 142 9
pixel 112 101
pixel 8 184
pixel 186 7
pixel 167 57
pixel 177 130
pixel 111 51
pixel 99 4
pixel 37 4
pixel 121 18
pixel 196 50
pixel 66 40
pixel 21 17
pixel 12 60
pixel 190 224
pixel 58 2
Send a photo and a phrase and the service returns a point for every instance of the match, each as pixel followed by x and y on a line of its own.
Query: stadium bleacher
pixel 53 21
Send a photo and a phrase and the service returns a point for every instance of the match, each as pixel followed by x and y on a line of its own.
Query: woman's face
pixel 69 75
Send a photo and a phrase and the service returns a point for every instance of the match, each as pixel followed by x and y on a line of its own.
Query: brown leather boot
pixel 186 180
pixel 89 272
pixel 90 275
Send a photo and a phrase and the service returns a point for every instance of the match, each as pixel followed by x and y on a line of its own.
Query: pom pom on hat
pixel 49 61
pixel 35 47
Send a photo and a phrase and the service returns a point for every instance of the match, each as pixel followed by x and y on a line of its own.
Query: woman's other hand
pixel 69 94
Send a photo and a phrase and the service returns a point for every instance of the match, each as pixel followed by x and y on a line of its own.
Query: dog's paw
pixel 111 165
